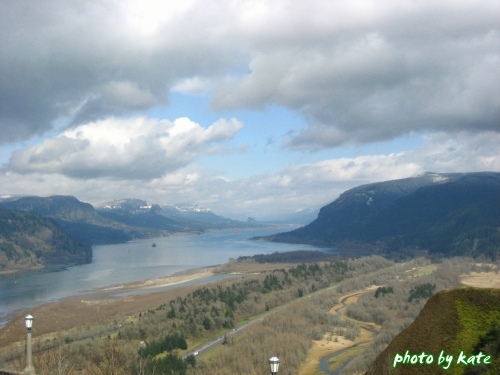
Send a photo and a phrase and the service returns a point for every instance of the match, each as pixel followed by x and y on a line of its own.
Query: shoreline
pixel 116 291
pixel 102 305
pixel 160 282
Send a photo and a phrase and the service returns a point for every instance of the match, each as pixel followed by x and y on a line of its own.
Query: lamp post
pixel 29 368
pixel 274 364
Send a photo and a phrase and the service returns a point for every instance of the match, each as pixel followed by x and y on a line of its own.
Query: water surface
pixel 134 261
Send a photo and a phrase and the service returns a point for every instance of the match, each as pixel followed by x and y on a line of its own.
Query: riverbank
pixel 332 344
pixel 117 303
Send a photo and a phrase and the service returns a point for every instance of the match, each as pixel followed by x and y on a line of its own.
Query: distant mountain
pixel 138 214
pixel 195 212
pixel 452 214
pixel 121 220
pixel 175 218
pixel 461 321
pixel 29 240
pixel 77 218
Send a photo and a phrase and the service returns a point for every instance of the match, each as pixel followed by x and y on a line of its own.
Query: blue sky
pixel 249 107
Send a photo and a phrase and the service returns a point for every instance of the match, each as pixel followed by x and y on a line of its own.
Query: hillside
pixel 77 218
pixel 118 221
pixel 450 214
pixel 465 320
pixel 29 240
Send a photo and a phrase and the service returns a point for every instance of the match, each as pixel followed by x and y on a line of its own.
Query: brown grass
pixel 482 280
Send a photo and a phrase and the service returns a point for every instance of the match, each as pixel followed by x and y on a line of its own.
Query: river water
pixel 134 261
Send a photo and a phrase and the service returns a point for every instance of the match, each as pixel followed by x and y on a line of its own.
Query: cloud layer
pixel 81 79
pixel 357 71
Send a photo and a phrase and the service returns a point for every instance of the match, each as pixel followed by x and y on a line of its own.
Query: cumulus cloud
pixel 136 148
pixel 357 71
pixel 368 71
pixel 300 186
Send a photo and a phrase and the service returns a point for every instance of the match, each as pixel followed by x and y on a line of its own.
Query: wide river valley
pixel 134 261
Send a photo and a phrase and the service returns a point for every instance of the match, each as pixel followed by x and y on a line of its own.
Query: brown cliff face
pixel 459 323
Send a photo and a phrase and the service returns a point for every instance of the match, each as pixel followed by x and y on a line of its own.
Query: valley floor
pixel 329 346
pixel 101 307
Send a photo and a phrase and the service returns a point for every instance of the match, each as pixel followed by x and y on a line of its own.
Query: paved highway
pixel 220 339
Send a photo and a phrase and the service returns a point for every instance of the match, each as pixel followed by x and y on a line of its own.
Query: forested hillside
pixel 29 240
pixel 450 214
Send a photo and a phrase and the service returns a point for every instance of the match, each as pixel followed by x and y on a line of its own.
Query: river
pixel 134 261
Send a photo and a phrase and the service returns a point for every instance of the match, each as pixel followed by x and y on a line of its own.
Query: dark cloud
pixel 84 60
pixel 380 72
pixel 358 72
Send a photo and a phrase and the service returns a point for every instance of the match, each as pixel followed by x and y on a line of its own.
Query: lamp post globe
pixel 29 322
pixel 274 364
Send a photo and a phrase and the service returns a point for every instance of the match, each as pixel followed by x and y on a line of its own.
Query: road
pixel 214 343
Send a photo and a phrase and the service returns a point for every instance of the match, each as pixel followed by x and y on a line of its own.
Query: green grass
pixel 425 270
pixel 476 319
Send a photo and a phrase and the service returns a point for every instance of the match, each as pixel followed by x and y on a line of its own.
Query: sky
pixel 254 108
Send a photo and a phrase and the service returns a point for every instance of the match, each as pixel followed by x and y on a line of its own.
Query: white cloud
pixel 193 85
pixel 314 185
pixel 136 148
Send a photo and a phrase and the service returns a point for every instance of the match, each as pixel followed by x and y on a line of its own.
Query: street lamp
pixel 29 324
pixel 274 364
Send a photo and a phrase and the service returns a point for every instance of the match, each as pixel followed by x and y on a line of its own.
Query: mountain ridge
pixel 453 214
